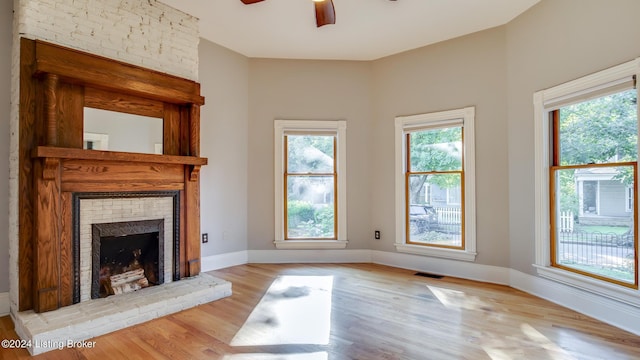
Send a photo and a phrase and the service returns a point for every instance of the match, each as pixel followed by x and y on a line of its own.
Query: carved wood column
pixel 50 102
pixel 192 206
pixel 192 195
pixel 47 235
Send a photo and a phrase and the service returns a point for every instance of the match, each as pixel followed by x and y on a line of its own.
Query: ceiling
pixel 364 29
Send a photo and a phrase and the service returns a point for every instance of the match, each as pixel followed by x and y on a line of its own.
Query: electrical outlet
pixel 205 238
pixel 376 234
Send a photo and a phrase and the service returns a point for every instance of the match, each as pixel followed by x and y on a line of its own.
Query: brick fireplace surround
pixel 50 170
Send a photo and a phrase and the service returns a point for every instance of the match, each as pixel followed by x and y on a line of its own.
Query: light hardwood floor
pixel 377 312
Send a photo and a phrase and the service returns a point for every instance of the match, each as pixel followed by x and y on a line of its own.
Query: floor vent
pixel 433 276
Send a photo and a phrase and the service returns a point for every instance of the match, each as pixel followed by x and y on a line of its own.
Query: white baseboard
pixel 618 314
pixel 461 269
pixel 309 256
pixel 221 261
pixel 4 304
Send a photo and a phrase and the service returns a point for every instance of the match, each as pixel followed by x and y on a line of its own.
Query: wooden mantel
pixel 81 154
pixel 95 156
pixel 56 83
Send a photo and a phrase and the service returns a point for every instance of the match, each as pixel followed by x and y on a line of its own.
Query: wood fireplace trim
pixel 55 85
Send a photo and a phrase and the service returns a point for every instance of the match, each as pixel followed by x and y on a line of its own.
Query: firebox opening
pixel 127 256
pixel 128 263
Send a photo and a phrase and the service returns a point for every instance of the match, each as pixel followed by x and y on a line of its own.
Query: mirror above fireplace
pixel 118 131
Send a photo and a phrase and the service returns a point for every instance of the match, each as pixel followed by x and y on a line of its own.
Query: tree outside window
pixel 435 184
pixel 310 184
pixel 594 154
pixel 310 180
pixel 435 159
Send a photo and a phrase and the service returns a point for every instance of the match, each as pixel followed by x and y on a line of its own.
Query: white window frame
pixel 339 128
pixel 404 124
pixel 544 101
pixel 628 199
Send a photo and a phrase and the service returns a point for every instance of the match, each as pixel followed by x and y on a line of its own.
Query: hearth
pixel 127 256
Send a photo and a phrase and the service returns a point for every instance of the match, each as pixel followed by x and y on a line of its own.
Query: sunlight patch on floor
pixel 554 351
pixel 294 310
pixel 457 300
pixel 322 355
pixel 499 350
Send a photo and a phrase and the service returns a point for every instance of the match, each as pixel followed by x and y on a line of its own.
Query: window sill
pixel 611 291
pixel 437 252
pixel 310 244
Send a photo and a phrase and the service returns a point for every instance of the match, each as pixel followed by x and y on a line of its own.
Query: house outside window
pixel 435 184
pixel 586 182
pixel 310 184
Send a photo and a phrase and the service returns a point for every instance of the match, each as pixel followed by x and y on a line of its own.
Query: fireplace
pixel 55 168
pixel 127 256
pixel 125 218
pixel 51 270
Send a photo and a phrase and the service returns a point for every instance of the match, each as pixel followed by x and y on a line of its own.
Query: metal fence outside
pixel 607 254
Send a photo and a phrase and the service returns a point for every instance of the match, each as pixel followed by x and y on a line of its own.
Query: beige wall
pixel 224 78
pixel 495 70
pixel 554 42
pixel 6 12
pixel 468 71
pixel 309 90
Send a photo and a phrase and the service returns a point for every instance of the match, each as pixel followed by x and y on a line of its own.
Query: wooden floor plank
pixel 377 312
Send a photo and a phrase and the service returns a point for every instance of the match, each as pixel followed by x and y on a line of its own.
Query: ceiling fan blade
pixel 325 13
pixel 247 2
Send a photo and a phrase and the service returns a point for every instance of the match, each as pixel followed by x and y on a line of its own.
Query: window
pixel 586 182
pixel 435 184
pixel 310 184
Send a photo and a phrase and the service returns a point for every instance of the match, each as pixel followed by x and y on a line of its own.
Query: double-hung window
pixel 310 184
pixel 435 184
pixel 586 182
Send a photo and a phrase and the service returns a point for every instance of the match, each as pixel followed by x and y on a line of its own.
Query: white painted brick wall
pixel 13 170
pixel 141 32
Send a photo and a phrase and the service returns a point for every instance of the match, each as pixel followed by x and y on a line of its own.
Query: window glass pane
pixel 601 130
pixel 433 218
pixel 436 150
pixel 594 230
pixel 310 154
pixel 310 207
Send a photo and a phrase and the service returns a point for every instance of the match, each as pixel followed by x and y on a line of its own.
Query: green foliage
pixel 299 211
pixel 306 221
pixel 325 220
pixel 435 150
pixel 568 192
pixel 310 153
pixel 598 130
pixel 604 229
